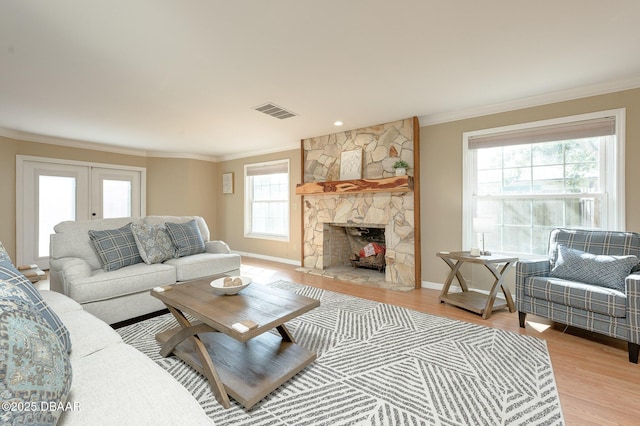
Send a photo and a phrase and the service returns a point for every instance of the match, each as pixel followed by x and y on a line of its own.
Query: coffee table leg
pixel 207 365
pixel 286 335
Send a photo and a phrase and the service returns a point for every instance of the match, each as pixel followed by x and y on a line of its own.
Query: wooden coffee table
pixel 245 365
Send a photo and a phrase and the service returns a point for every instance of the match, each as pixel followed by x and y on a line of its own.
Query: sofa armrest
pixel 65 271
pixel 217 247
pixel 632 283
pixel 531 268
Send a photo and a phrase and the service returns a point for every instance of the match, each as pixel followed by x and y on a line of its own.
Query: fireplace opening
pixel 356 246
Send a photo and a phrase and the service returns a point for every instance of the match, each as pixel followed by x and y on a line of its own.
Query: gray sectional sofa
pixel 119 289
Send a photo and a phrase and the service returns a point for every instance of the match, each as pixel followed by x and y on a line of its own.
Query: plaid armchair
pixel 586 294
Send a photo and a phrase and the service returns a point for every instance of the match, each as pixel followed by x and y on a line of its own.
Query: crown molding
pixel 533 101
pixel 95 146
pixel 256 153
pixel 72 143
pixel 162 154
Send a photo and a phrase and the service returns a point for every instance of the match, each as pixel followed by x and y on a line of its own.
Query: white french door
pixel 50 191
pixel 115 193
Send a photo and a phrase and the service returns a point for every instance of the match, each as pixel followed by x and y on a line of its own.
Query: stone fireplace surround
pixel 382 146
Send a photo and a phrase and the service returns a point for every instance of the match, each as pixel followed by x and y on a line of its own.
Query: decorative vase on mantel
pixel 401 167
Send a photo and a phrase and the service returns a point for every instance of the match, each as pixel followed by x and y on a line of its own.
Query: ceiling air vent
pixel 275 111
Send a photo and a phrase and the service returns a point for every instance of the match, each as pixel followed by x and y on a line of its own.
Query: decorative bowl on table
pixel 229 285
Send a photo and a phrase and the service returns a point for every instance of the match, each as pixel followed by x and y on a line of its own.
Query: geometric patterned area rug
pixel 380 364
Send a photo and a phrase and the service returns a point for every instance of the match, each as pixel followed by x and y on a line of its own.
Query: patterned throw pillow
pixel 154 244
pixel 3 253
pixel 16 287
pixel 602 270
pixel 186 238
pixel 35 371
pixel 116 247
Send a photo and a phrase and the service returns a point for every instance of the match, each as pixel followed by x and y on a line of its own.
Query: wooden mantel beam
pixel 357 186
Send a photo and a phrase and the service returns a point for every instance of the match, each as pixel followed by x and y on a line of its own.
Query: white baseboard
pixel 271 258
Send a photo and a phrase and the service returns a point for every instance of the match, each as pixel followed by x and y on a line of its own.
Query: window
pixel 267 200
pixel 528 179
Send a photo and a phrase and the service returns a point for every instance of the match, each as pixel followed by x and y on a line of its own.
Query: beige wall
pixel 441 173
pixel 232 209
pixel 174 186
pixel 184 187
pixel 181 186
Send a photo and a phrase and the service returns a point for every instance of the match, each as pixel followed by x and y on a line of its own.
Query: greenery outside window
pixel 529 179
pixel 267 200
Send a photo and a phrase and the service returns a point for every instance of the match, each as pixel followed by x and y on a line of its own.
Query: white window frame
pixel 23 229
pixel 614 159
pixel 248 199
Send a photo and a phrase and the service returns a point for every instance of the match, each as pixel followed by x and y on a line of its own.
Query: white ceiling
pixel 166 76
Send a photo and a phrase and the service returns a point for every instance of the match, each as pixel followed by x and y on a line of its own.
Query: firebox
pixel 355 245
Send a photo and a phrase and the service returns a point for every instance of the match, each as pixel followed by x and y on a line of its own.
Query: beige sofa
pixel 114 383
pixel 76 269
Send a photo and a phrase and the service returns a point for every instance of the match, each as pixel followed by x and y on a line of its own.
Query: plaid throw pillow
pixel 116 247
pixel 186 238
pixel 3 253
pixel 601 270
pixel 16 287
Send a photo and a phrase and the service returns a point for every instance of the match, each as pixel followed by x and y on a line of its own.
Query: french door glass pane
pixel 57 203
pixel 116 198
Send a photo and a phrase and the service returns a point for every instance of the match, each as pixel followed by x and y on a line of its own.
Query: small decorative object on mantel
pixel 351 165
pixel 401 167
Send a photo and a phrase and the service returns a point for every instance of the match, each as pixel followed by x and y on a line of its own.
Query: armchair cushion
pixel 602 270
pixel 579 295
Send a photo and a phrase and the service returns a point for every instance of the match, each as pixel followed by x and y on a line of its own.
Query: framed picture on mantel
pixel 351 165
pixel 227 183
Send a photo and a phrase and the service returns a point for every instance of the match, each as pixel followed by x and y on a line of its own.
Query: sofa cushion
pixel 186 238
pixel 59 303
pixel 119 385
pixel 153 241
pixel 578 295
pixel 116 247
pixel 612 243
pixel 35 370
pixel 71 238
pixel 88 333
pixel 204 265
pixel 15 286
pixel 602 270
pixel 132 279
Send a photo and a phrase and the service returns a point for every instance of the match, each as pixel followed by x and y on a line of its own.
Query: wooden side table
pixel 472 300
pixel 32 272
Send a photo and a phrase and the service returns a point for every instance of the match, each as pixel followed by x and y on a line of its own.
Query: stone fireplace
pixel 377 201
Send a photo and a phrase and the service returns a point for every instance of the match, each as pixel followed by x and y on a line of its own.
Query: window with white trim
pixel 267 200
pixel 521 182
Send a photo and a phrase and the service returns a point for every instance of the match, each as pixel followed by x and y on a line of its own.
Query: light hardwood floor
pixel 596 382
